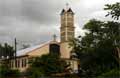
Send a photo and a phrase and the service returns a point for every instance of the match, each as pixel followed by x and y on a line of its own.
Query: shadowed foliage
pixel 46 65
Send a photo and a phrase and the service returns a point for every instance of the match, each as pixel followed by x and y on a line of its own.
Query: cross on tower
pixel 67 6
pixel 54 37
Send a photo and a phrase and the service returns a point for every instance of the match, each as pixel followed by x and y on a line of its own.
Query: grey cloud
pixel 35 21
pixel 42 11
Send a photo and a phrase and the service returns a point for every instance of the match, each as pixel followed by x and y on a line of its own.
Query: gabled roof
pixel 62 12
pixel 30 49
pixel 27 50
pixel 70 10
pixel 65 11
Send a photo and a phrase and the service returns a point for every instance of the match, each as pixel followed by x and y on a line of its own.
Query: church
pixel 67 32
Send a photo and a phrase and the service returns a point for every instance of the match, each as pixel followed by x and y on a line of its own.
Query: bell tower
pixel 66 31
pixel 67 24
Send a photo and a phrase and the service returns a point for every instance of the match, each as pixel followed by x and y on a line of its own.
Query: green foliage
pixel 96 49
pixel 114 73
pixel 6 72
pixel 114 10
pixel 6 50
pixel 46 65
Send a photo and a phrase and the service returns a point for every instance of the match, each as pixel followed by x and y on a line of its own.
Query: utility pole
pixel 15 48
pixel 15 54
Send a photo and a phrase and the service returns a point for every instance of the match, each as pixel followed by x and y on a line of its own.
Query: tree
pixel 114 73
pixel 96 49
pixel 114 10
pixel 6 50
pixel 46 65
pixel 6 72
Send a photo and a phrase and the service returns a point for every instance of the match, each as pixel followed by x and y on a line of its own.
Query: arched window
pixel 54 49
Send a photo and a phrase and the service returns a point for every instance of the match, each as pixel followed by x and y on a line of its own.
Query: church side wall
pixel 20 63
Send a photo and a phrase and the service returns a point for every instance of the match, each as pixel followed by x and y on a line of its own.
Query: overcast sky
pixel 35 21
